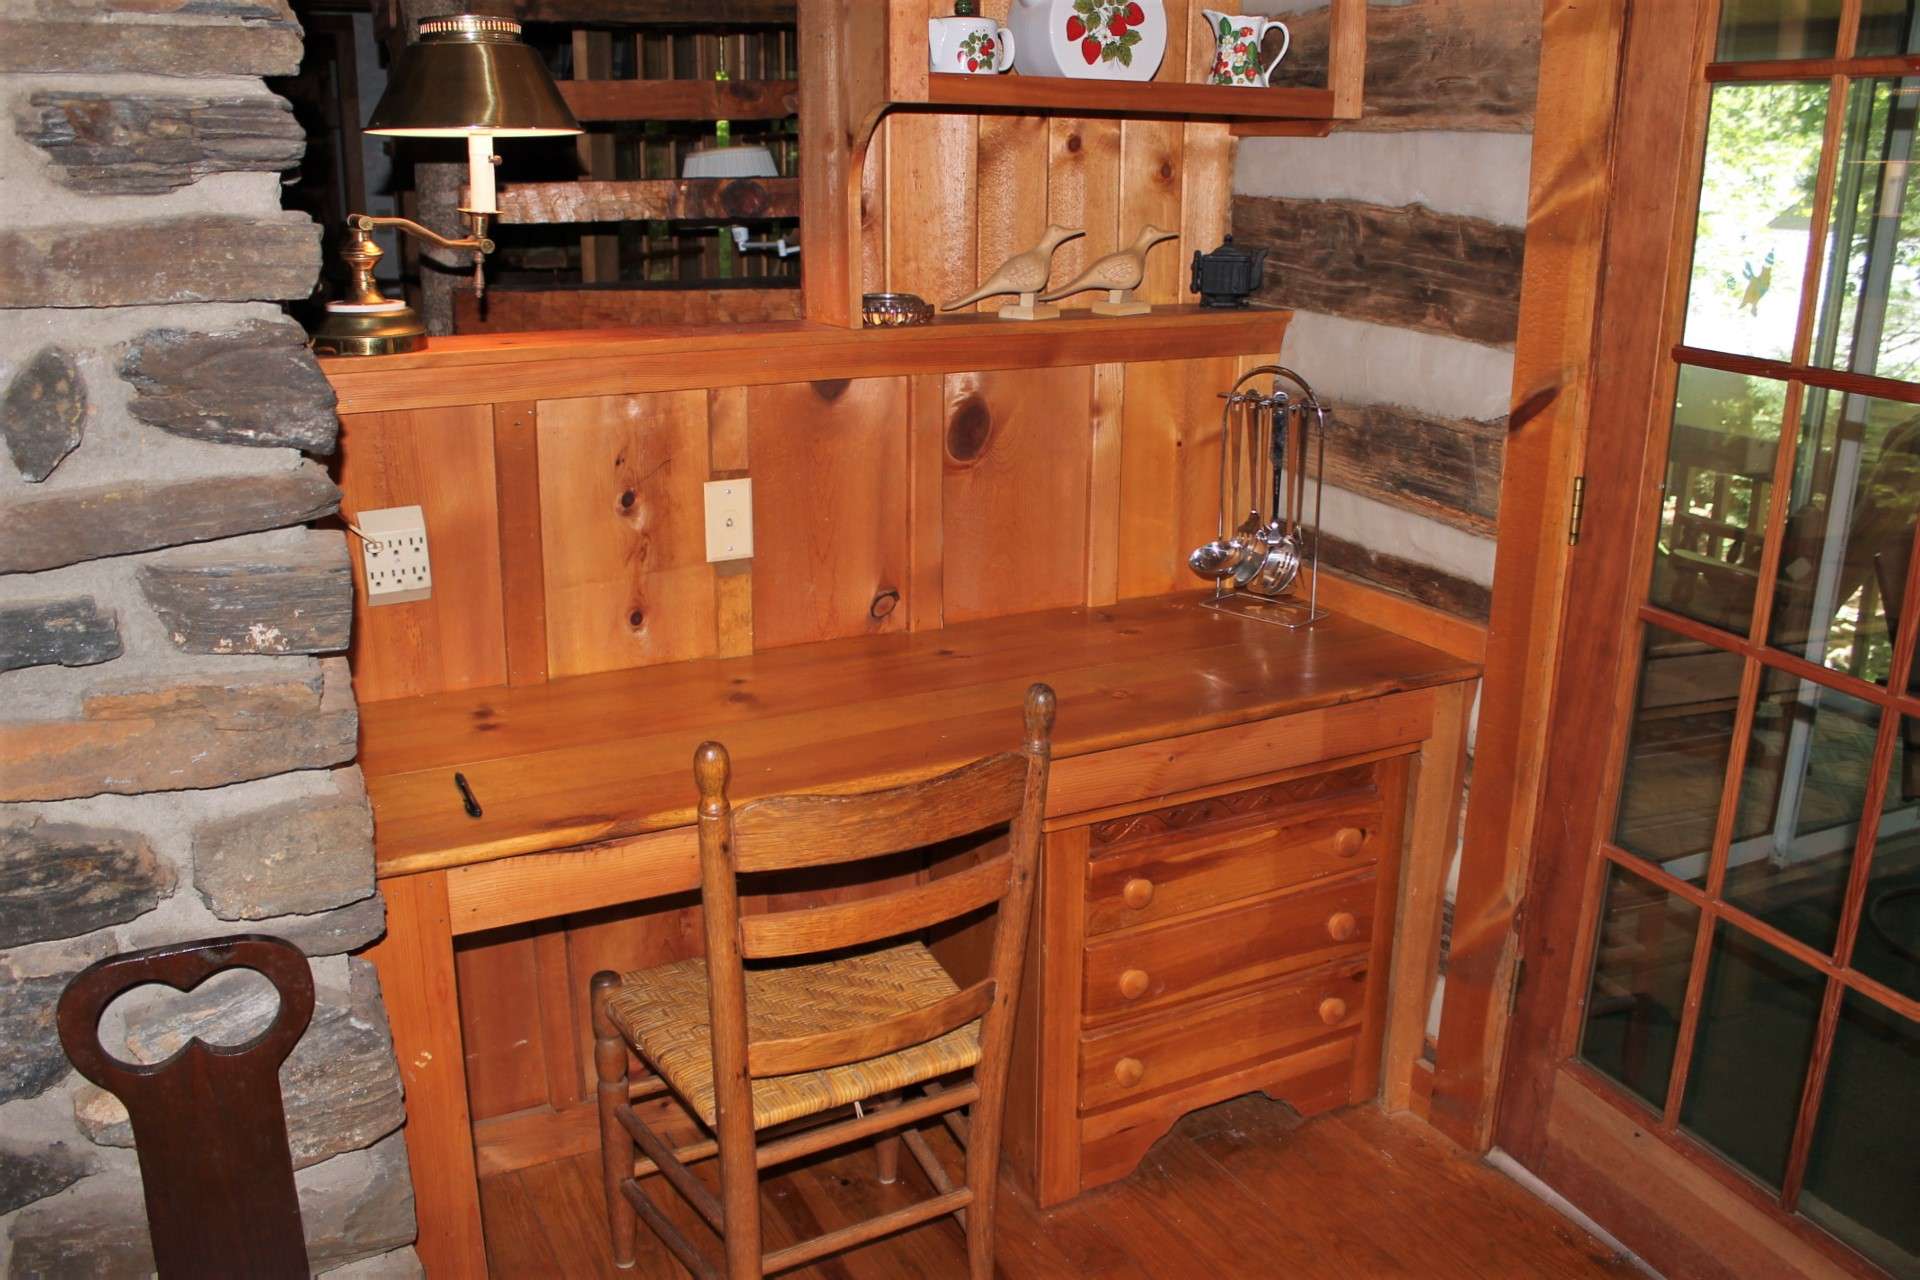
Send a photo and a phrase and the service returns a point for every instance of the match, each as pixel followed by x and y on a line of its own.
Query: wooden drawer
pixel 1215 951
pixel 1138 1059
pixel 1152 866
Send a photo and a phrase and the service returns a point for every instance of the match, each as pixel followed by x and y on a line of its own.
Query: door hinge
pixel 1578 511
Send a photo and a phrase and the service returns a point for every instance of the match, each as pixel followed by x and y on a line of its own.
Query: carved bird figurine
pixel 1025 274
pixel 1119 274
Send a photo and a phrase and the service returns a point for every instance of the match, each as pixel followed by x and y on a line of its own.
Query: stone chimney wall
pixel 177 730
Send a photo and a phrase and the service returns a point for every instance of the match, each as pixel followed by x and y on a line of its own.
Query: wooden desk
pixel 587 796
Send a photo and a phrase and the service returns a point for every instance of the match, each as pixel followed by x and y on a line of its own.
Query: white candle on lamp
pixel 480 194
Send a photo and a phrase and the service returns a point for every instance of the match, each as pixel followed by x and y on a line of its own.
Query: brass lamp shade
pixel 467 76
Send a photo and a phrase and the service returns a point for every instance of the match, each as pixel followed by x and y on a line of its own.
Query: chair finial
pixel 1041 705
pixel 712 769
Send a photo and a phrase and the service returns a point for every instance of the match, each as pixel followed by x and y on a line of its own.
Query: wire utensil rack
pixel 1269 442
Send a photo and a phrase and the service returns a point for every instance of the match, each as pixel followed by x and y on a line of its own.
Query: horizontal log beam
pixel 520 310
pixel 592 100
pixel 1405 266
pixel 692 199
pixel 1423 583
pixel 1447 469
pixel 674 13
pixel 1434 64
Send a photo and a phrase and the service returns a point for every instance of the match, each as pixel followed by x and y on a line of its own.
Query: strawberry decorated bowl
pixel 1089 39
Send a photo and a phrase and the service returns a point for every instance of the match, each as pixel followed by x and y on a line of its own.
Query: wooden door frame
pixel 1683 1210
pixel 1553 391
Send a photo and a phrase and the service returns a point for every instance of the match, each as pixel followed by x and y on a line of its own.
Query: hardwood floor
pixel 1242 1189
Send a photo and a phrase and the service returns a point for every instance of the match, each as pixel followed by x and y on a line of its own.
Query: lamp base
pixel 369 329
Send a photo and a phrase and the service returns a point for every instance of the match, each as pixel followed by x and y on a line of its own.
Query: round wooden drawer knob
pixel 1133 983
pixel 1341 926
pixel 1129 1072
pixel 1137 893
pixel 1347 841
pixel 1333 1011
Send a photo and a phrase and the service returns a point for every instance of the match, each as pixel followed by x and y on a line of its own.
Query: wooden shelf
pixel 560 364
pixel 1120 97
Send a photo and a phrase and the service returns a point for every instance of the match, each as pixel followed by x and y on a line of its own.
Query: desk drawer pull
pixel 1129 1072
pixel 1348 841
pixel 1342 925
pixel 1134 983
pixel 1138 893
pixel 1333 1011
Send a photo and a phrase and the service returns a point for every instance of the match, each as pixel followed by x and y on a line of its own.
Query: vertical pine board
pixel 1014 497
pixel 926 541
pixel 829 509
pixel 873 212
pixel 523 586
pixel 506 1067
pixel 733 580
pixel 1206 213
pixel 442 461
pixel 930 205
pixel 1011 191
pixel 622 491
pixel 1150 193
pixel 1083 191
pixel 1103 485
pixel 1169 470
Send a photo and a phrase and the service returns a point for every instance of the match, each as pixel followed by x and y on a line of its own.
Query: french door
pixel 1717 1049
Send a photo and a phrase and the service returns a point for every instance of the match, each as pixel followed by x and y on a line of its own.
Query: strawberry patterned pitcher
pixel 1236 59
pixel 1090 39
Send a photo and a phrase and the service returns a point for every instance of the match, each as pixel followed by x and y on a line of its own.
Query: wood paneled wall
pixel 879 503
pixel 948 197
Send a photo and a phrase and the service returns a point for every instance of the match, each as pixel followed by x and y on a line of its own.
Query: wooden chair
pixel 763 1046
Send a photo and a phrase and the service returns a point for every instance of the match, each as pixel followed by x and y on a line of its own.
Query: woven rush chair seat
pixel 664 1014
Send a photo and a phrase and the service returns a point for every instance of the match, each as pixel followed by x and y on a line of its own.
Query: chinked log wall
pixel 1398 241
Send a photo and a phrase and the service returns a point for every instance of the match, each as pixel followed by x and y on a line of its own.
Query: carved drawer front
pixel 1214 951
pixel 1175 870
pixel 1139 1059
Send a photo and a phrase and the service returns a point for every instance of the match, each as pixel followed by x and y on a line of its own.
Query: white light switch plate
pixel 394 551
pixel 729 520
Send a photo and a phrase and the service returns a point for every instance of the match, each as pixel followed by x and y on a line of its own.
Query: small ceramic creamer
pixel 968 44
pixel 1237 37
pixel 1090 39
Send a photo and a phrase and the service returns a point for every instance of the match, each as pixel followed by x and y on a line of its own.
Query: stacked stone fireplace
pixel 177 729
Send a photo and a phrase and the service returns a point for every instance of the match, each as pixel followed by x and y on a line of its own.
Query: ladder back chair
pixel 842 1005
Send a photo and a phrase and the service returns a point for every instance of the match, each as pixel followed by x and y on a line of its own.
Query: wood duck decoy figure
pixel 1119 274
pixel 1024 273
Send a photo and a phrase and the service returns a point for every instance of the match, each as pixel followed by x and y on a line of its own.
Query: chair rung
pixel 678 1245
pixel 834 1135
pixel 677 1175
pixel 886 1224
pixel 651 1087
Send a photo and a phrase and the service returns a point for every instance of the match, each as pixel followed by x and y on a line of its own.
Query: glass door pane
pixel 1756 217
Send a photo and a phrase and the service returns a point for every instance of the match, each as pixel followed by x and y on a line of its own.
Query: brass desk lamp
pixel 467 77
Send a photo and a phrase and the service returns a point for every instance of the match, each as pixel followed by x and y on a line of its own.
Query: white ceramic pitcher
pixel 1237 37
pixel 968 46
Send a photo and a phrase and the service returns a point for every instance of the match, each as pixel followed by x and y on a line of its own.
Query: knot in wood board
pixel 969 428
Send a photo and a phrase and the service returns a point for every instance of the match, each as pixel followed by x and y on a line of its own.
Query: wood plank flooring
pixel 1242 1189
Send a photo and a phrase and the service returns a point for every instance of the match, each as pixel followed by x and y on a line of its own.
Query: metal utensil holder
pixel 1266 443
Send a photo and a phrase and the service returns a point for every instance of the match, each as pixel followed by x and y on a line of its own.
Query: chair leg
pixel 616 1144
pixel 983 1176
pixel 886 1148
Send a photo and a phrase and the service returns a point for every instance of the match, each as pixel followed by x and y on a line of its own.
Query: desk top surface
pixel 606 756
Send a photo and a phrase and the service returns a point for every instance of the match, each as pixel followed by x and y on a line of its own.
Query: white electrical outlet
pixel 394 551
pixel 729 520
